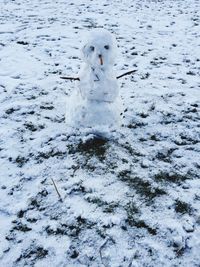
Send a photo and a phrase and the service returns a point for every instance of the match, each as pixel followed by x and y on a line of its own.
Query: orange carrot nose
pixel 101 59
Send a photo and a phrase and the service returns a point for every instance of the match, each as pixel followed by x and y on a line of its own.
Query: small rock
pixel 179 242
pixel 186 186
pixel 144 164
pixel 188 225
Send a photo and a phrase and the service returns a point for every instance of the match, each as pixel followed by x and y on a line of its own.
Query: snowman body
pixel 95 101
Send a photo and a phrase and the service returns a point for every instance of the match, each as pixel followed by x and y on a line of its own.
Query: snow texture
pixel 131 199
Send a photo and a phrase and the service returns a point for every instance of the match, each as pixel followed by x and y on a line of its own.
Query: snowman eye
pixel 106 47
pixel 92 48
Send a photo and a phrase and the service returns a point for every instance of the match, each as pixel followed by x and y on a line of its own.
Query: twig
pixel 118 77
pixel 134 256
pixel 103 245
pixel 59 195
pixel 126 73
pixel 71 78
pixel 131 261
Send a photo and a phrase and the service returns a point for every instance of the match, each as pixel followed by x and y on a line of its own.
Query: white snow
pixel 131 199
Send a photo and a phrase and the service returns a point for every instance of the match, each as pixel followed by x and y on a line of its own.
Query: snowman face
pixel 99 49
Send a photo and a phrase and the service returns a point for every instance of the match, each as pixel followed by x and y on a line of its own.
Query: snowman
pixel 95 102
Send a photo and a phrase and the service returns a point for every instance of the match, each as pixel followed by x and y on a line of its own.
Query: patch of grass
pixel 50 154
pixel 173 178
pixel 155 137
pixel 182 207
pixel 22 42
pixel 30 126
pixel 96 200
pixel 72 229
pixel 36 202
pixel 49 107
pixel 11 110
pixel 125 175
pixel 165 156
pixel 78 188
pixel 142 224
pixel 58 231
pixel 110 207
pixel 136 125
pixel 133 220
pixel 132 151
pixel 33 128
pixel 131 209
pixel 144 188
pixel 94 147
pixel 20 214
pixel 34 253
pixel 143 115
pixel 107 207
pixel 19 226
pixel 20 160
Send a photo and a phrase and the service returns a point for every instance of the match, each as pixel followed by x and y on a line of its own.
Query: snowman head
pixel 99 49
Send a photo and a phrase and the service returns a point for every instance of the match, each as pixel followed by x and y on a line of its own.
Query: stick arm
pixel 118 77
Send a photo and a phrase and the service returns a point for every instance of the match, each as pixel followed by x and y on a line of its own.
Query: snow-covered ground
pixel 131 200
